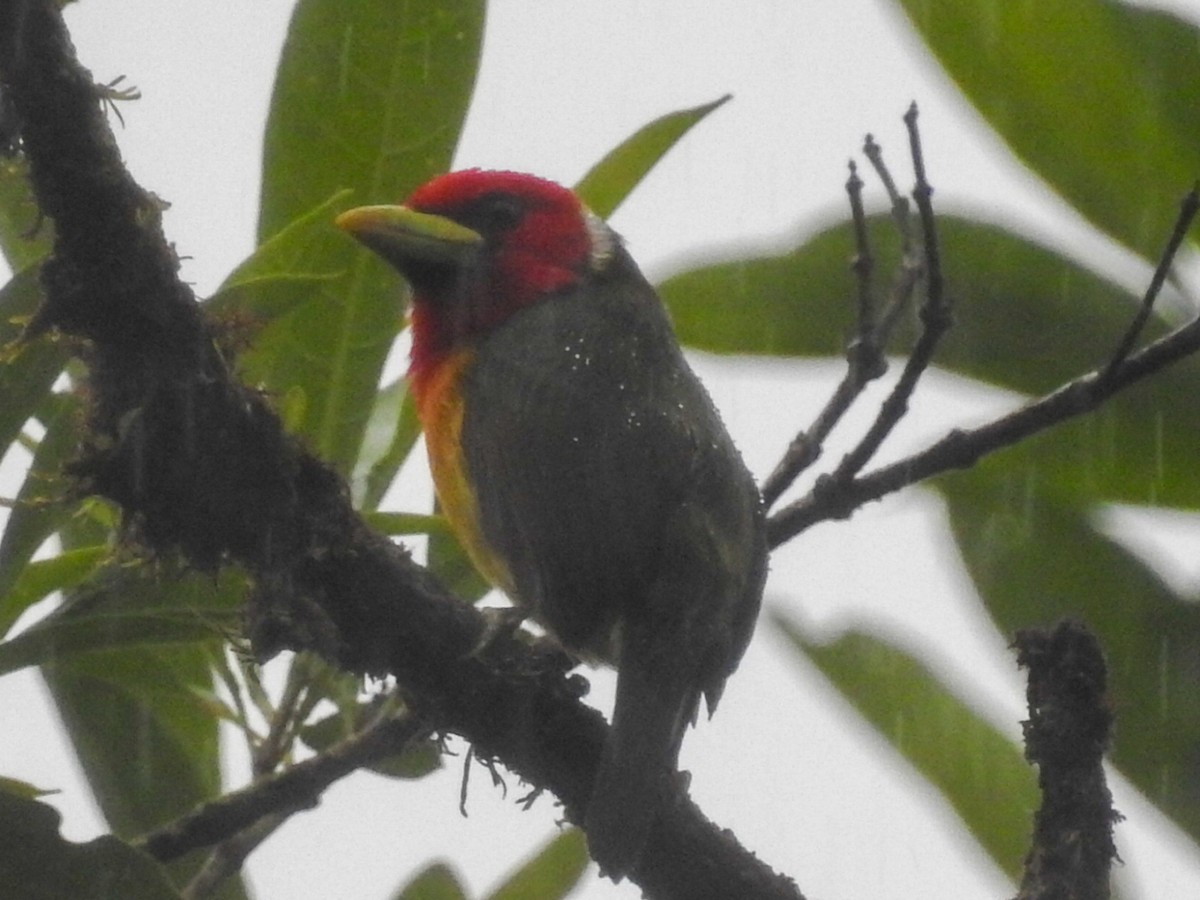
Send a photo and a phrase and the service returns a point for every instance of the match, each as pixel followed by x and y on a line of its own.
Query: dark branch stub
pixel 1066 736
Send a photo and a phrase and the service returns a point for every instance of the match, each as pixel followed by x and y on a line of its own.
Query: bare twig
pixel 227 858
pixel 862 264
pixel 934 317
pixel 864 357
pixel 838 498
pixel 1187 212
pixel 865 352
pixel 294 789
pixel 911 261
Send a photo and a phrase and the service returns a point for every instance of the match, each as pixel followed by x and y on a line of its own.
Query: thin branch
pixel 961 448
pixel 1187 212
pixel 838 498
pixel 864 354
pixel 864 357
pixel 911 261
pixel 296 788
pixel 229 856
pixel 935 318
pixel 862 264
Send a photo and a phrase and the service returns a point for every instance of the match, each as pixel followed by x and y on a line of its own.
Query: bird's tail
pixel 636 774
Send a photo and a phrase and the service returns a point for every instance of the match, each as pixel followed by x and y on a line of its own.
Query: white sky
pixel 802 784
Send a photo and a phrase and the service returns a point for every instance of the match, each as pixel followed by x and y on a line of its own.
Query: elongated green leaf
pixel 39 509
pixel 27 371
pixel 38 863
pixel 285 269
pixel 391 435
pixel 1024 318
pixel 42 578
pixel 552 874
pixel 25 236
pixel 369 97
pixel 1095 95
pixel 982 775
pixel 437 882
pixel 610 181
pixel 1035 558
pixel 82 635
pixel 408 523
pixel 137 713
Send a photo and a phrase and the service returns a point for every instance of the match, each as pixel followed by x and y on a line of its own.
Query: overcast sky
pixel 782 765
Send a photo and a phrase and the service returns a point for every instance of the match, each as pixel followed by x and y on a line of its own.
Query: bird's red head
pixel 477 246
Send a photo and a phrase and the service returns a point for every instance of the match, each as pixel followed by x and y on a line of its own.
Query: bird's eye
pixel 500 212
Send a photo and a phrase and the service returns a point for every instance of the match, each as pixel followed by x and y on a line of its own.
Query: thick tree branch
pixel 200 463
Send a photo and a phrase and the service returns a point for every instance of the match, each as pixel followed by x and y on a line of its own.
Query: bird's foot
pixel 499 623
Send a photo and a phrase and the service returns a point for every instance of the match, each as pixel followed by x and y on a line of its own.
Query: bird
pixel 579 460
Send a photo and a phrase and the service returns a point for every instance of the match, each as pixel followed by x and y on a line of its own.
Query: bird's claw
pixel 499 623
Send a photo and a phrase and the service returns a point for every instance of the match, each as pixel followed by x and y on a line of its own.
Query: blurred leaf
pixel 1026 319
pixel 437 882
pixel 284 269
pixel 23 789
pixel 39 580
pixel 391 434
pixel 552 874
pixel 450 563
pixel 136 714
pixel 40 506
pixel 130 627
pixel 368 97
pixel 1096 96
pixel 1035 558
pixel 27 371
pixel 982 775
pixel 25 236
pixel 416 761
pixel 408 523
pixel 610 181
pixel 38 863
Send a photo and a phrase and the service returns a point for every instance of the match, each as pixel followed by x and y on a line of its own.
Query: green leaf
pixel 137 713
pixel 448 560
pixel 38 863
pixel 23 789
pixel 40 506
pixel 368 97
pixel 408 523
pixel 416 761
pixel 610 181
pixel 437 882
pixel 982 775
pixel 1035 558
pixel 552 874
pixel 1095 96
pixel 391 434
pixel 39 580
pixel 285 269
pixel 27 371
pixel 25 235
